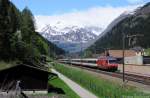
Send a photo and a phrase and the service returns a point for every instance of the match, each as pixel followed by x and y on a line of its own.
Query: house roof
pixel 43 69
pixel 137 49
pixel 7 65
pixel 119 53
pixel 40 68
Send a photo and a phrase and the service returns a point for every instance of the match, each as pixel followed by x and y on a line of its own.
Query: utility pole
pixel 81 44
pixel 123 48
pixel 81 51
pixel 123 53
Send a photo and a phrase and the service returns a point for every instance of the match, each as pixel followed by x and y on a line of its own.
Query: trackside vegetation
pixel 100 87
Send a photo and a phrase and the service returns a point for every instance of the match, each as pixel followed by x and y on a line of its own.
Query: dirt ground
pixel 136 69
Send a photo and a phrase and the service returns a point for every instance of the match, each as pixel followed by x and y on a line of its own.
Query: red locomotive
pixel 107 63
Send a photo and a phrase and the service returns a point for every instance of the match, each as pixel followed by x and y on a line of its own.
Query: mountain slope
pixel 53 49
pixel 111 26
pixel 135 23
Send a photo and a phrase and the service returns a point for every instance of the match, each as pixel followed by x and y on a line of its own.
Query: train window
pixel 91 61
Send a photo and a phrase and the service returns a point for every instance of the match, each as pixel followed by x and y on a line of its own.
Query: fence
pixel 137 60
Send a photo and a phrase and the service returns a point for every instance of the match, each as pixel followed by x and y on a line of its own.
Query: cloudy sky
pixel 63 13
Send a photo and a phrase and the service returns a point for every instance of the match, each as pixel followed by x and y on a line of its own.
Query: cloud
pixel 135 1
pixel 97 16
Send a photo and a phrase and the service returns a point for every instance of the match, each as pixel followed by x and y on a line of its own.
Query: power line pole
pixel 123 48
pixel 131 36
pixel 123 40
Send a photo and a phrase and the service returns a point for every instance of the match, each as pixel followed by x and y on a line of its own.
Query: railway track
pixel 129 77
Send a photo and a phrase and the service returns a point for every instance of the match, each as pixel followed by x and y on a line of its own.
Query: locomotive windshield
pixel 112 61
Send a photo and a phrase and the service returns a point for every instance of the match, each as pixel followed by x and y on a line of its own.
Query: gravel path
pixel 83 93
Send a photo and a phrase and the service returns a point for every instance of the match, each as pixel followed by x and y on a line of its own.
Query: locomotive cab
pixel 107 63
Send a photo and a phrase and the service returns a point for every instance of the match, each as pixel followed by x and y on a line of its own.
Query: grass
pixel 56 82
pixel 100 87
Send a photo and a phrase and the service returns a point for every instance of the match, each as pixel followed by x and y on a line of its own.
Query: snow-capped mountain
pixel 70 38
pixel 70 34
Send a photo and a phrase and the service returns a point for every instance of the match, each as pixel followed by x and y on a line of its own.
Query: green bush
pixel 147 51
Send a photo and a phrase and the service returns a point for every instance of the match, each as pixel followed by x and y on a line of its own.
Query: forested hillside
pixel 18 39
pixel 137 23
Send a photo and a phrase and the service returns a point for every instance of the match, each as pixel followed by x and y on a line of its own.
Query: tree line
pixel 18 39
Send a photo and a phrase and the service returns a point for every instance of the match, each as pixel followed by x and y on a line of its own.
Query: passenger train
pixel 104 62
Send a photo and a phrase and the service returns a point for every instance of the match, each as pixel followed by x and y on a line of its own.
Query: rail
pixel 128 76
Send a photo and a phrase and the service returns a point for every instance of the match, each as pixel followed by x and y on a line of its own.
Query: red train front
pixel 107 63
